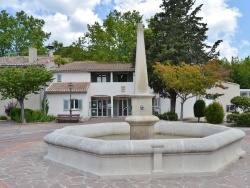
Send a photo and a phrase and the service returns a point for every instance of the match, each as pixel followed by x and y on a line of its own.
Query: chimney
pixel 32 55
pixel 51 48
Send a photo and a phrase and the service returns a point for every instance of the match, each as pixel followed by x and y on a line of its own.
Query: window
pixel 122 78
pixel 59 77
pixel 100 77
pixel 76 104
pixel 244 94
pixel 231 108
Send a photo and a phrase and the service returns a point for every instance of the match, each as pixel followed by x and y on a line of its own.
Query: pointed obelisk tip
pixel 141 75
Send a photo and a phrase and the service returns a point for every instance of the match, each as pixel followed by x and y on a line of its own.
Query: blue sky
pixel 67 20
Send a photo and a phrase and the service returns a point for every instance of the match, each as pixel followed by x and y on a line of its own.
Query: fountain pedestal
pixel 142 121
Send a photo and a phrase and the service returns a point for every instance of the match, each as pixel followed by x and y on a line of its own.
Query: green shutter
pixel 65 104
pixel 80 104
pixel 59 77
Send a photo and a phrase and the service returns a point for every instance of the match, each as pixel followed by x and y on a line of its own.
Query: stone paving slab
pixel 22 166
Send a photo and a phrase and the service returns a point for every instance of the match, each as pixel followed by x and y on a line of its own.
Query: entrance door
pixel 102 108
pixel 123 107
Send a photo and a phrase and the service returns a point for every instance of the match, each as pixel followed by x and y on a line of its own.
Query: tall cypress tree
pixel 176 35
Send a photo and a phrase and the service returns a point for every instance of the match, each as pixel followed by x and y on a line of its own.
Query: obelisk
pixel 141 121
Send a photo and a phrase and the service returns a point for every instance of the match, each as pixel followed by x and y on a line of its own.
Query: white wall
pixel 232 91
pixel 111 88
pixel 56 104
pixel 74 77
pixel 33 102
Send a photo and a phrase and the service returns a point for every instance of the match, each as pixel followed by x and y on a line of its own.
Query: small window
pixel 244 94
pixel 75 103
pixel 122 77
pixel 231 108
pixel 59 77
pixel 101 78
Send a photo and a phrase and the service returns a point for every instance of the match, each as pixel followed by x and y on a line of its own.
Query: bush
pixel 239 119
pixel 3 118
pixel 11 105
pixel 199 109
pixel 31 116
pixel 242 102
pixel 214 113
pixel 170 116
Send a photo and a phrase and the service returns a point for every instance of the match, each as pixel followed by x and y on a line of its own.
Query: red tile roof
pixel 94 67
pixel 62 87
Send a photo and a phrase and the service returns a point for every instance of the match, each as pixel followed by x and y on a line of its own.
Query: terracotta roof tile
pixel 62 87
pixel 24 60
pixel 94 66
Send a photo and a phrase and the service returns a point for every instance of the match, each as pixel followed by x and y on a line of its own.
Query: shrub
pixel 239 119
pixel 15 114
pixel 214 113
pixel 199 109
pixel 170 116
pixel 31 116
pixel 11 105
pixel 3 118
pixel 242 102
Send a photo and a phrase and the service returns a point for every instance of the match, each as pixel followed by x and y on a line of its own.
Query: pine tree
pixel 176 35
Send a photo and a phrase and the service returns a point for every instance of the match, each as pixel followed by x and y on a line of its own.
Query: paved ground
pixel 22 165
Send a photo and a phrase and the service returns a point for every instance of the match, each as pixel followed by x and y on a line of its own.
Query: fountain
pixel 142 121
pixel 212 149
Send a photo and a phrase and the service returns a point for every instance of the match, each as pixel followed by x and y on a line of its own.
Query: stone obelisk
pixel 142 121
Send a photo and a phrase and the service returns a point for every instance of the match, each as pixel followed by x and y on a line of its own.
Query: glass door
pixel 94 107
pixel 123 107
pixel 102 108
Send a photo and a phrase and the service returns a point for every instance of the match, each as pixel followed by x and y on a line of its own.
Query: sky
pixel 67 20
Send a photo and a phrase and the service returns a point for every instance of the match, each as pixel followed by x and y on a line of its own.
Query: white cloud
pixel 227 51
pixel 244 43
pixel 147 8
pixel 81 17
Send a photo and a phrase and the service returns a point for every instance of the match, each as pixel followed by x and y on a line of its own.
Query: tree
pixel 240 71
pixel 20 32
pixel 176 35
pixel 199 109
pixel 190 80
pixel 18 82
pixel 185 80
pixel 242 102
pixel 6 32
pixel 115 39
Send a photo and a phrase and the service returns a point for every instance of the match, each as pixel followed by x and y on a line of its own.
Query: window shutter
pixel 80 104
pixel 65 104
pixel 59 77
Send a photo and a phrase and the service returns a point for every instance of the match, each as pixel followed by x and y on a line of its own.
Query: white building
pixel 99 89
pixel 104 90
pixel 33 100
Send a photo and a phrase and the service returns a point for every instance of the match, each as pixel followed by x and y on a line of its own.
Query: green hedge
pixel 3 118
pixel 170 116
pixel 242 119
pixel 30 115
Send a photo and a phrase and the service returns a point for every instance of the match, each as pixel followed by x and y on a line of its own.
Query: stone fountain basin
pixel 73 146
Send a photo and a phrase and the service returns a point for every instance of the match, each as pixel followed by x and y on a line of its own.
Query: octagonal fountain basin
pixel 206 150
